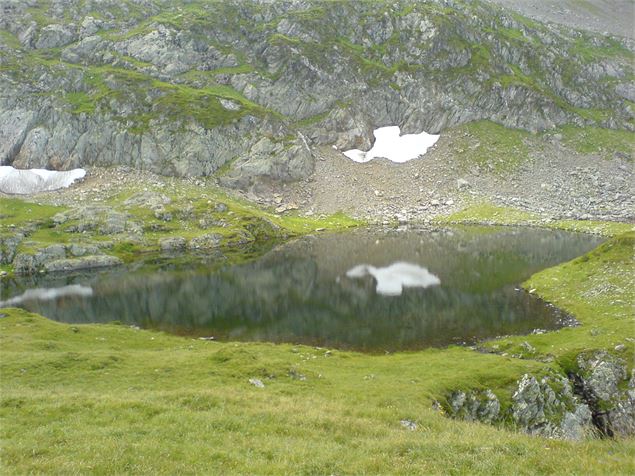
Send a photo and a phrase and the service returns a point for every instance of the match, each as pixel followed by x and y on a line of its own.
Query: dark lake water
pixel 369 290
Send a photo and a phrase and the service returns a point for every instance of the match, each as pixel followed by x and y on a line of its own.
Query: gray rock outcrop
pixel 181 91
pixel 596 399
pixel 599 381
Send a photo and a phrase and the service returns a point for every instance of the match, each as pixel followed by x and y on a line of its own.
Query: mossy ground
pixel 485 213
pixel 501 150
pixel 112 399
pixel 194 212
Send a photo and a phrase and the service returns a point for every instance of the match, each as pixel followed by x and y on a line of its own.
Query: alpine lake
pixel 371 290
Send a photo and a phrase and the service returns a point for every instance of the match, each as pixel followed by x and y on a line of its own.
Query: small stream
pixel 369 290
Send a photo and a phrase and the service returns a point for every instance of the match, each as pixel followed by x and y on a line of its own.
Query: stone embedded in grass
pixel 409 425
pixel 205 242
pixel 84 262
pixel 256 382
pixel 171 244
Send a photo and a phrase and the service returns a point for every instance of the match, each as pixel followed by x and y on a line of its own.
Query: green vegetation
pixel 193 212
pixel 500 150
pixel 111 399
pixel 598 289
pixel 589 51
pixel 490 145
pixel 488 214
pixel 594 140
pixel 81 103
pixel 15 212
pixel 9 39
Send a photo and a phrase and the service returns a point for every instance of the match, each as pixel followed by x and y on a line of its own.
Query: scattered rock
pixel 84 262
pixel 256 383
pixel 408 425
pixel 172 244
pixel 462 184
pixel 205 242
pixel 598 381
pixel 475 406
pixel 527 347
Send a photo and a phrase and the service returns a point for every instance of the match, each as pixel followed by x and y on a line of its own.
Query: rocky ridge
pixel 185 88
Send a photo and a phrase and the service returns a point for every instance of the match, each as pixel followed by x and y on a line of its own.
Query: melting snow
pixel 394 147
pixel 392 279
pixel 48 294
pixel 25 182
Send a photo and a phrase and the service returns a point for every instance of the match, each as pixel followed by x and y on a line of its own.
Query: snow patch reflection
pixel 394 147
pixel 48 294
pixel 24 182
pixel 392 279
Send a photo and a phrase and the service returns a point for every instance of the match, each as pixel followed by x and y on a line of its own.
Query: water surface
pixel 369 290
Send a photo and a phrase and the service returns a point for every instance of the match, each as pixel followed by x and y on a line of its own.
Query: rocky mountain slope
pixel 615 17
pixel 252 88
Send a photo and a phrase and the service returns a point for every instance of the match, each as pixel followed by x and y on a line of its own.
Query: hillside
pixel 613 17
pixel 253 88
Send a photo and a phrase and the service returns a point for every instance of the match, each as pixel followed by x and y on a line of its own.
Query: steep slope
pixel 185 88
pixel 616 17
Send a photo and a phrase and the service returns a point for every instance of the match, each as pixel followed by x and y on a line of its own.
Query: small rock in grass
pixel 620 347
pixel 172 244
pixel 256 382
pixel 528 347
pixel 409 424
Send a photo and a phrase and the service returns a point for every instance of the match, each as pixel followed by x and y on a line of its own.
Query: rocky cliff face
pixel 597 398
pixel 187 87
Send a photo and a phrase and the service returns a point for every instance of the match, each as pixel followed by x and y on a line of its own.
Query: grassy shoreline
pixel 489 214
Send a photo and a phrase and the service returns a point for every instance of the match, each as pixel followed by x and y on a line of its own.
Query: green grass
pixel 243 223
pixel 595 140
pixel 489 214
pixel 81 103
pixel 599 290
pixel 14 211
pixel 9 39
pixel 109 399
pixel 490 145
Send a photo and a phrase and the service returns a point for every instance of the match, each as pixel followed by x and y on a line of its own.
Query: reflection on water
pixel 47 294
pixel 415 289
pixel 392 279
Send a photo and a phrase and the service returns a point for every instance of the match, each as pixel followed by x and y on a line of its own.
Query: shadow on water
pixel 368 290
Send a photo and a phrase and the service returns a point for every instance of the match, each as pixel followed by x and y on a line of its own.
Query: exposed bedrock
pixel 183 89
pixel 598 398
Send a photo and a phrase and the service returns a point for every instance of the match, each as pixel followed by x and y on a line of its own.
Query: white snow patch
pixel 48 294
pixel 394 147
pixel 392 279
pixel 24 182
